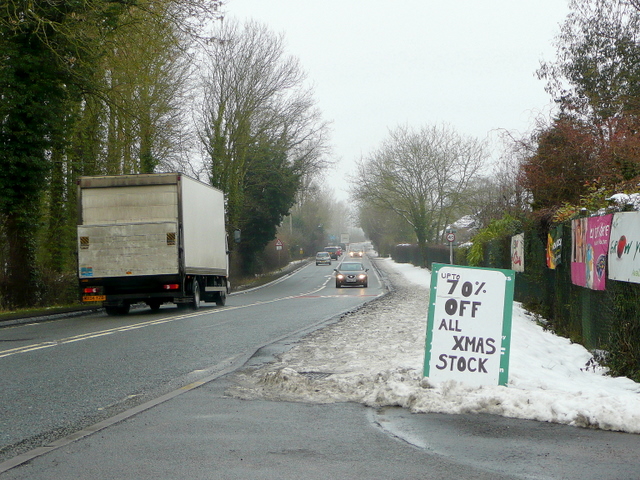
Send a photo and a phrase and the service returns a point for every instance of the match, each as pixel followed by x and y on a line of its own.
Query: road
pixel 61 375
pixel 157 382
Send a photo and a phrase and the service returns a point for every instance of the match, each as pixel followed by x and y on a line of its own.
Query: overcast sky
pixel 377 64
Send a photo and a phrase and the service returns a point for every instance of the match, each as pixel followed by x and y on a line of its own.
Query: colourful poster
pixel 517 252
pixel 554 247
pixel 624 247
pixel 590 244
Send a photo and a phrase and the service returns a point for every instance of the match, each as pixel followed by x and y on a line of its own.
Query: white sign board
pixel 469 325
pixel 344 238
pixel 624 247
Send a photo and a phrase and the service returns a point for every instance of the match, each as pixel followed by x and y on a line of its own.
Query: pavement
pixel 204 434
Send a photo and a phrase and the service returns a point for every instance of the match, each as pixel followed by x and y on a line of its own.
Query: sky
pixel 375 65
pixel 376 355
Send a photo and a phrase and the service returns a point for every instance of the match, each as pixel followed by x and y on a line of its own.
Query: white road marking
pixel 150 323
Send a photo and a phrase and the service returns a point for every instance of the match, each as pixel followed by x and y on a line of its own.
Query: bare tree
pixel 500 192
pixel 422 176
pixel 147 72
pixel 254 96
pixel 595 73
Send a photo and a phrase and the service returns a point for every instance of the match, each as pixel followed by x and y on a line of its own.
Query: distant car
pixel 335 252
pixel 356 253
pixel 351 273
pixel 323 258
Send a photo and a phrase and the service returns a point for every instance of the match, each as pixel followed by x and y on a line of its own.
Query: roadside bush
pixel 623 345
pixel 502 228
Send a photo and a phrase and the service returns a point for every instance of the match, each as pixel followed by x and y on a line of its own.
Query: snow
pixel 375 356
pixel 622 199
pixel 468 221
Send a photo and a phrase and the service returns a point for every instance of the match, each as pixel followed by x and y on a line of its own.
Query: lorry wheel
pixel 195 303
pixel 221 299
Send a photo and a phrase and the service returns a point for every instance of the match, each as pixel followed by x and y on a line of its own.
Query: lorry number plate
pixel 94 298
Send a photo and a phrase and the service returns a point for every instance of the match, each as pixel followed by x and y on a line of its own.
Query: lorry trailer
pixel 152 238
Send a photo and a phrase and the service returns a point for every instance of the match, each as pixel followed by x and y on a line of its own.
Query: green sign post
pixel 469 325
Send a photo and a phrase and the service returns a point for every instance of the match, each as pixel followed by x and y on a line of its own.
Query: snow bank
pixel 375 356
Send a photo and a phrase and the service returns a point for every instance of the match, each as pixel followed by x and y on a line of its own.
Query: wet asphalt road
pixel 57 377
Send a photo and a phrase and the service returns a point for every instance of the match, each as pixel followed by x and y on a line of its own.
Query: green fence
pixel 410 253
pixel 608 320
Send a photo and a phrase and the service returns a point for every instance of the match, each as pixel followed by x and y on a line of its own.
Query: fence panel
pixel 607 320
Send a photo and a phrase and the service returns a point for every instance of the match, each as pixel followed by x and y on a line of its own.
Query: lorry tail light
pixel 172 286
pixel 91 290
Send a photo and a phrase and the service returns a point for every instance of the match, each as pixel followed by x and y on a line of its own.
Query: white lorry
pixel 151 238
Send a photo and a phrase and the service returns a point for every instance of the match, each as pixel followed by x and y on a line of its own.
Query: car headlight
pixel 340 276
pixel 362 277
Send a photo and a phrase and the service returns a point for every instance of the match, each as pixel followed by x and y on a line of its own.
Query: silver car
pixel 323 258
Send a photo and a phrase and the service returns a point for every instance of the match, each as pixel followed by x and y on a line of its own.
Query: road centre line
pixel 150 323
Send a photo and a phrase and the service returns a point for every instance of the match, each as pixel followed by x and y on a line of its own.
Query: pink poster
pixel 590 243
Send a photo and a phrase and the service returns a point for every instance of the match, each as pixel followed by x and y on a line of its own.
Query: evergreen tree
pixel 271 184
pixel 47 48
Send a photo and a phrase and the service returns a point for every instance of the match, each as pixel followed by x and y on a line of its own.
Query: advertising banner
pixel 590 244
pixel 554 247
pixel 469 325
pixel 517 252
pixel 624 247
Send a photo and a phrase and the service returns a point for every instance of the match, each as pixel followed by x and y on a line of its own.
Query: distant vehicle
pixel 323 258
pixel 356 250
pixel 351 273
pixel 335 252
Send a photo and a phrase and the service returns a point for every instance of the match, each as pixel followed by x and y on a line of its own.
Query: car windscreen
pixel 351 267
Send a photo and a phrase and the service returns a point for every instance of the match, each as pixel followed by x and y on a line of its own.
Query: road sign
pixel 279 244
pixel 451 237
